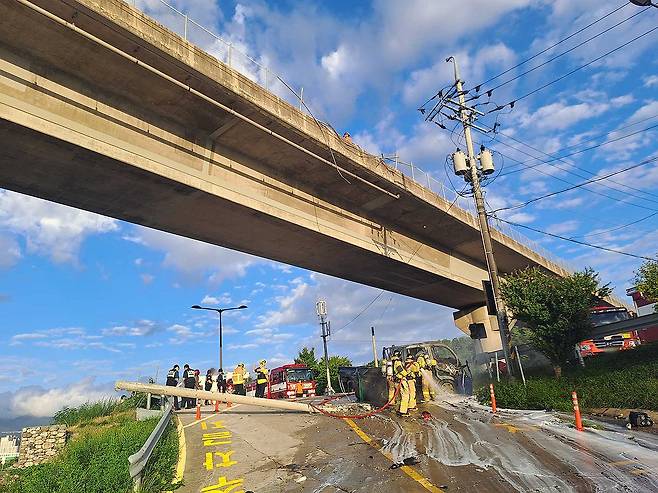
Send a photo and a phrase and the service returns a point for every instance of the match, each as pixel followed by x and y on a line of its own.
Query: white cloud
pixel 223 299
pixel 195 259
pixel 183 334
pixel 563 227
pixel 138 329
pixel 651 81
pixel 39 402
pixel 10 251
pixel 559 116
pixel 147 278
pixel 50 229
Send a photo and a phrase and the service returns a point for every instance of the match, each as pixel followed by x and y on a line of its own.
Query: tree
pixel 555 310
pixel 646 280
pixel 306 357
pixel 321 372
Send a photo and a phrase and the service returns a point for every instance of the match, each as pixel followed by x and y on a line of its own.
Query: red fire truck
pixel 288 382
pixel 603 315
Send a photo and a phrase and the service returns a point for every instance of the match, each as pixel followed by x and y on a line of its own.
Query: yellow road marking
pixel 204 425
pixel 182 451
pixel 514 428
pixel 623 462
pixel 210 416
pixel 408 470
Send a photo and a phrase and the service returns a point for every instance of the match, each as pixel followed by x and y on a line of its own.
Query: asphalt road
pixel 463 447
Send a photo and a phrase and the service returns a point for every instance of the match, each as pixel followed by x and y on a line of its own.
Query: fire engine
pixel 288 382
pixel 602 315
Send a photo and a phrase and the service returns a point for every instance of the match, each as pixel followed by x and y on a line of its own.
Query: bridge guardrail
pixel 226 52
pixel 137 461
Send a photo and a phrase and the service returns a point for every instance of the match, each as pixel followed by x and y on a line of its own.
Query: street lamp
pixel 220 311
pixel 644 3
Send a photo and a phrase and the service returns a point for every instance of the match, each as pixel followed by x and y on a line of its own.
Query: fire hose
pixel 358 416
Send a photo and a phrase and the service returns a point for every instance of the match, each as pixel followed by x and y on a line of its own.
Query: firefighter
pixel 238 379
pixel 412 372
pixel 207 385
pixel 172 381
pixel 221 381
pixel 425 362
pixel 400 375
pixel 390 379
pixel 189 382
pixel 261 378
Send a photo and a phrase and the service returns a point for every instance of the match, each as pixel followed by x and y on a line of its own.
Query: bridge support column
pixel 478 315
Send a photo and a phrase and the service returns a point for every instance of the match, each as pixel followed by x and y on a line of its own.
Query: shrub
pixel 624 380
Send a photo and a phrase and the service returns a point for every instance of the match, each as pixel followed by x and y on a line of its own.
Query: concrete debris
pixel 348 409
pixel 407 461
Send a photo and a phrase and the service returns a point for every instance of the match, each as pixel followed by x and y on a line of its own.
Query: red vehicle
pixel 288 382
pixel 603 315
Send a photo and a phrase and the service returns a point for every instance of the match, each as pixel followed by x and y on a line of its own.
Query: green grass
pixel 96 459
pixel 92 410
pixel 625 380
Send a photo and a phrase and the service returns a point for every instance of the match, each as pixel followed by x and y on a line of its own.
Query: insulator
pixel 459 163
pixel 486 162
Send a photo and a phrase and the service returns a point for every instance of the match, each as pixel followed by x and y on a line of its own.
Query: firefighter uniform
pixel 424 362
pixel 172 381
pixel 387 366
pixel 261 378
pixel 189 381
pixel 400 375
pixel 413 370
pixel 238 379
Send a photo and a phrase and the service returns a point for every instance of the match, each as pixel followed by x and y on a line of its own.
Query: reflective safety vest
pixel 172 377
pixel 238 376
pixel 414 371
pixel 261 374
pixel 421 361
pixel 398 370
pixel 188 377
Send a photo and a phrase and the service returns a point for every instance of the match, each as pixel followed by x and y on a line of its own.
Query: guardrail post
pixel 148 401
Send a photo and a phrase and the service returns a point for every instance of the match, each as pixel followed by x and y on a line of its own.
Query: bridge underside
pixel 87 127
pixel 36 164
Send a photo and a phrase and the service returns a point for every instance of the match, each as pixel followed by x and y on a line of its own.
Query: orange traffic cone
pixel 216 406
pixel 198 410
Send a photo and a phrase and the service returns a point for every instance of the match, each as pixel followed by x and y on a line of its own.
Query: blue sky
pixel 86 300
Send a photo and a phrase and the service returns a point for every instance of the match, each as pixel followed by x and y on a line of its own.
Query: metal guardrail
pixel 137 461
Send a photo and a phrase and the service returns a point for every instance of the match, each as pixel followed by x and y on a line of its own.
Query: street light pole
pixel 221 338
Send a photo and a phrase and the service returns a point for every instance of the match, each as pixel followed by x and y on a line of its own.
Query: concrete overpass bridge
pixel 104 109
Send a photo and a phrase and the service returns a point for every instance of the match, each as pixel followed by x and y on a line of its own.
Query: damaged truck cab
pixel 369 383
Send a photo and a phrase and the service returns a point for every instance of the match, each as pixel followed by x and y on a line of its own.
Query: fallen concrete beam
pixel 213 396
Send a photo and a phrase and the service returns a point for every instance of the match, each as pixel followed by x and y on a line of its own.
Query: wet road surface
pixel 463 447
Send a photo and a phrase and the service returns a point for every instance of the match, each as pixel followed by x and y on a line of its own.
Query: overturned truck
pixel 369 383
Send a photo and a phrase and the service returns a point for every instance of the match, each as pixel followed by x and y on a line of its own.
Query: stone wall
pixel 40 443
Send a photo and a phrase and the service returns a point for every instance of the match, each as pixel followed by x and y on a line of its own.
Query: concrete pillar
pixel 463 318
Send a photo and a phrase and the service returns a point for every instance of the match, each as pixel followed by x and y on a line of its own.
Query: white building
pixel 9 447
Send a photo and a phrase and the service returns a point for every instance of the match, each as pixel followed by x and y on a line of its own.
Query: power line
pixel 558 178
pixel 554 154
pixel 571 72
pixel 599 247
pixel 551 162
pixel 617 228
pixel 559 55
pixel 552 46
pixel 579 151
pixel 593 180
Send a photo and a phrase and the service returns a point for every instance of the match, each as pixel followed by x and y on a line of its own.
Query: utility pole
pixel 321 308
pixel 472 175
pixel 374 347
